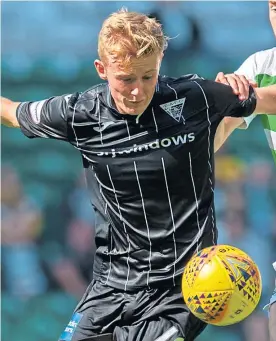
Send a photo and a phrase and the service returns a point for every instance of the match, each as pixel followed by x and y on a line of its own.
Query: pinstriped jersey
pixel 151 177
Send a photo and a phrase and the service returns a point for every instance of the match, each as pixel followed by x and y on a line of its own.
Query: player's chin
pixel 134 111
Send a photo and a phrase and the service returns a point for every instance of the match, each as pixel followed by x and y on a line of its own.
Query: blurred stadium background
pixel 48 49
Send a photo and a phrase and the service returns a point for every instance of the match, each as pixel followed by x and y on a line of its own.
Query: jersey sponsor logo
pixel 174 108
pixel 156 144
pixel 103 126
pixel 35 109
pixel 71 327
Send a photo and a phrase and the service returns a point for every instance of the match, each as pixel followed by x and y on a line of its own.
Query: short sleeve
pixel 247 121
pixel 223 102
pixel 46 118
pixel 248 68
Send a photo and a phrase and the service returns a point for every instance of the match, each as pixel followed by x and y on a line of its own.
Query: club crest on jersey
pixel 174 108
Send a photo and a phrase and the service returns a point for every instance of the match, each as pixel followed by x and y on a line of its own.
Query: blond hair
pixel 129 34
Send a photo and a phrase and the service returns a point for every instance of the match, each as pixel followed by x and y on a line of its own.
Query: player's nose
pixel 137 90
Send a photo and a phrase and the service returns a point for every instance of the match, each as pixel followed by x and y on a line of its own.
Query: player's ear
pixel 100 69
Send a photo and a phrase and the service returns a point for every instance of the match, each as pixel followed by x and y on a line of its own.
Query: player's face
pixel 132 87
pixel 272 15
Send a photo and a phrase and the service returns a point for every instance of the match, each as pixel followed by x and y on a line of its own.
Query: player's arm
pixel 46 118
pixel 265 104
pixel 225 129
pixel 265 97
pixel 266 100
pixel 222 102
pixel 8 113
pixel 239 81
pixel 240 86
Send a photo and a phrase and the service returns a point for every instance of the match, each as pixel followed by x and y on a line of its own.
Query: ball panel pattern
pixel 221 285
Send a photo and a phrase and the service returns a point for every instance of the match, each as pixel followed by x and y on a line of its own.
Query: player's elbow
pixel 232 123
pixel 225 129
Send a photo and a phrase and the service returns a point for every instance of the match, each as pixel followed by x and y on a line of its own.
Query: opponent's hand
pixel 239 83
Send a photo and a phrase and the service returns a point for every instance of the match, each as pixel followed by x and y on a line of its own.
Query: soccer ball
pixel 221 285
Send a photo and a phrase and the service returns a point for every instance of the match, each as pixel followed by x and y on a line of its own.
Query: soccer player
pixel 146 143
pixel 260 68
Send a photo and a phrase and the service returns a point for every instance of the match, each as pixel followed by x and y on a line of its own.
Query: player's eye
pixel 147 77
pixel 127 80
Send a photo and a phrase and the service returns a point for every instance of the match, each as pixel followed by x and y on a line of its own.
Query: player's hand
pixel 240 84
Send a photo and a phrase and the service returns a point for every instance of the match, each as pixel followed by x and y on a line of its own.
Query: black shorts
pixel 132 316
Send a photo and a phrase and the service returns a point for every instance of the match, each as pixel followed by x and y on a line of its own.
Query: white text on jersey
pixel 163 143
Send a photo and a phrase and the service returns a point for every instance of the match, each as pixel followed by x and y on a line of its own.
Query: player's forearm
pixel 225 129
pixel 8 113
pixel 266 100
pixel 272 322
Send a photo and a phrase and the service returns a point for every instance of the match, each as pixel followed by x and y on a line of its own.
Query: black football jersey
pixel 151 177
